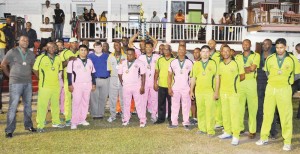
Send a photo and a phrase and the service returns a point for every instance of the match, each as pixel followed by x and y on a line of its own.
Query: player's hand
pixel 71 88
pixel 216 96
pixel 93 87
pixel 155 87
pixel 192 95
pixel 142 90
pixel 170 91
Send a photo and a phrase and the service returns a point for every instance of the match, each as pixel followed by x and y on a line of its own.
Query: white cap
pixel 73 39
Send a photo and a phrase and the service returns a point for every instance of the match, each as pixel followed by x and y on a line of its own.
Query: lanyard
pixel 22 55
pixel 149 59
pixel 84 62
pixel 118 59
pixel 204 64
pixel 246 58
pixel 52 59
pixel 129 65
pixel 181 65
pixel 280 60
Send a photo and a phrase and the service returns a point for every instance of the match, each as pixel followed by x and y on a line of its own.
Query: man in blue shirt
pixel 31 34
pixel 99 96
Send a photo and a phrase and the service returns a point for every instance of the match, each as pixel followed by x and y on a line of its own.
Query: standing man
pixel 178 87
pixel 281 68
pixel 150 96
pixel 161 84
pixel 206 92
pixel 31 34
pixel 231 72
pixel 132 77
pixel 105 48
pixel 161 49
pixel 47 68
pixel 99 96
pixel 59 21
pixel 114 62
pixel 261 88
pixel 9 31
pixel 48 12
pixel 125 42
pixel 66 56
pixel 154 20
pixel 248 87
pixel 20 61
pixel 46 32
pixel 216 56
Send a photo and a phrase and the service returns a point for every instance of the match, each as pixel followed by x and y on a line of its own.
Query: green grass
pixel 104 137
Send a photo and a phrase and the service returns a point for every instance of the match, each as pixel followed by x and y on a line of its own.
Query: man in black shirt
pixel 31 34
pixel 59 21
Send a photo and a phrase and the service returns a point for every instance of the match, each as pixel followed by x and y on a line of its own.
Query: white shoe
pixel 84 123
pixel 142 125
pixel 58 125
pixel 73 126
pixel 287 147
pixel 126 123
pixel 224 136
pixel 110 119
pixel 261 142
pixel 235 141
pixel 154 119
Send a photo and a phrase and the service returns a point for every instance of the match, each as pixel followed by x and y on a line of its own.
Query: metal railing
pixel 193 32
pixel 285 12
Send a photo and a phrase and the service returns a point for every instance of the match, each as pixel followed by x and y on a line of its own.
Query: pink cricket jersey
pixel 132 76
pixel 83 73
pixel 181 76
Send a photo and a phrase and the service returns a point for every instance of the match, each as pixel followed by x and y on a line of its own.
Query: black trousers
pixel 163 95
pixel 261 88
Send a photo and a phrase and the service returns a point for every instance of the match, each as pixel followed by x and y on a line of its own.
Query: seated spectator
pixel 290 11
pixel 46 32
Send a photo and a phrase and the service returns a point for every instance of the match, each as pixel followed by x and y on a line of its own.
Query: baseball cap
pixel 73 39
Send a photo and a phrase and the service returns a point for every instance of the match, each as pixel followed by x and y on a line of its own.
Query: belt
pixel 102 77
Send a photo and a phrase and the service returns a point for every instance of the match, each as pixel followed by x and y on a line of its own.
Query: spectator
pixel 154 26
pixel 74 22
pixel 46 31
pixel 179 18
pixel 232 19
pixel 93 18
pixel 86 15
pixel 239 19
pixel 103 19
pixel 59 22
pixel 224 21
pixel 48 12
pixel 105 48
pixel 164 20
pixel 290 11
pixel 86 18
pixel 31 34
pixel 9 31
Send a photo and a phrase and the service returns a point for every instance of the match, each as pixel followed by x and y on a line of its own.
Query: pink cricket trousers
pixel 128 92
pixel 80 102
pixel 184 96
pixel 151 97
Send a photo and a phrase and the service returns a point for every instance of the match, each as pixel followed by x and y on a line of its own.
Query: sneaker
pixel 8 135
pixel 84 123
pixel 187 127
pixel 218 126
pixel 172 126
pixel 68 123
pixel 125 123
pixel 40 130
pixel 58 125
pixel 193 121
pixel 224 136
pixel 287 147
pixel 261 142
pixel 142 125
pixel 154 119
pixel 110 119
pixel 200 132
pixel 73 126
pixel 235 141
pixel 133 113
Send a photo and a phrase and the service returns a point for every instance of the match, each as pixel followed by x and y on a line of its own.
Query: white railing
pixel 227 33
pixel 190 32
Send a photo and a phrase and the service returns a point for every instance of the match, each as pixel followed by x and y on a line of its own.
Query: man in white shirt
pixel 48 12
pixel 154 26
pixel 46 32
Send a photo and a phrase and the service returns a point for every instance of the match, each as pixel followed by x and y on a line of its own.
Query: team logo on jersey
pixel 136 66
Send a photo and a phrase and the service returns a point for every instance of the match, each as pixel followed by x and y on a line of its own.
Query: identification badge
pixel 24 63
pixel 52 68
pixel 203 73
pixel 149 67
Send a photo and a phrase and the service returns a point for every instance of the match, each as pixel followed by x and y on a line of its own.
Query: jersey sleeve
pixel 157 64
pixel 256 60
pixel 170 68
pixel 109 67
pixel 70 66
pixel 37 63
pixel 195 70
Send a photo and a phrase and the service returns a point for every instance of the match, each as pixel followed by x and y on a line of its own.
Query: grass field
pixel 104 137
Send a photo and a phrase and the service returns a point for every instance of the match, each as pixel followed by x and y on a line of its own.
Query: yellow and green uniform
pixel 204 74
pixel 65 55
pixel 229 94
pixel 248 91
pixel 163 65
pixel 216 56
pixel 49 90
pixel 279 93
